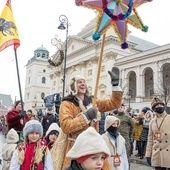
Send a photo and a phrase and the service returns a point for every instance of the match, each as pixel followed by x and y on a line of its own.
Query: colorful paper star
pixel 116 14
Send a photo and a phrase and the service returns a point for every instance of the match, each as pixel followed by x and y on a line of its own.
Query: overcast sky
pixel 37 22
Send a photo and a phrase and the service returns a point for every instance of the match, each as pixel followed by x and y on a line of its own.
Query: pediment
pixel 76 43
pixel 102 86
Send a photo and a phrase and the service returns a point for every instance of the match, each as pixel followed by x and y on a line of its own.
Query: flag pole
pixel 97 79
pixel 19 84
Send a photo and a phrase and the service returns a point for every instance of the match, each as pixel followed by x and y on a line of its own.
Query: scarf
pixel 29 156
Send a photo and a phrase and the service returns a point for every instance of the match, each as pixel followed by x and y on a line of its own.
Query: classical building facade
pixel 144 66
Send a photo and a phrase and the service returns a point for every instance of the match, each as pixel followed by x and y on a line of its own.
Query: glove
pixel 148 161
pixel 23 113
pixel 91 113
pixel 114 74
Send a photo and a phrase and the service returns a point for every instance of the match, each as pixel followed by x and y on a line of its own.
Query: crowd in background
pixel 65 141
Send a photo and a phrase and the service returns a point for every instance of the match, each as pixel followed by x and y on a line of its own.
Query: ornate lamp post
pixel 64 25
pixel 129 97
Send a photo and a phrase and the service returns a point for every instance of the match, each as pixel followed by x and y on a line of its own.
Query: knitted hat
pixel 52 127
pixel 32 126
pixel 73 83
pixel 12 137
pixel 88 142
pixel 49 108
pixel 156 101
pixel 145 109
pixel 17 102
pixel 109 121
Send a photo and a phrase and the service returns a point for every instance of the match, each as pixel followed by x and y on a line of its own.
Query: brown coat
pixel 73 123
pixel 159 152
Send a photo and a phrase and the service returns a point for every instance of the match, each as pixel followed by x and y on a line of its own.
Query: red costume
pixel 13 120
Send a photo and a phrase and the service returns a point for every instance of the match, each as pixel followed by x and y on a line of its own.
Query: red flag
pixel 8 30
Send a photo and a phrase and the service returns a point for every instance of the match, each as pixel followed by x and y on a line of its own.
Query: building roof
pixel 141 44
pixel 5 100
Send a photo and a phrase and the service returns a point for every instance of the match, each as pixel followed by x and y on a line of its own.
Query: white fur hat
pixel 88 142
pixel 73 85
pixel 12 137
pixel 53 126
pixel 109 121
pixel 32 126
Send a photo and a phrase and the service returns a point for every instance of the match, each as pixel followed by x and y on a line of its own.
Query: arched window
pixel 42 95
pixel 43 80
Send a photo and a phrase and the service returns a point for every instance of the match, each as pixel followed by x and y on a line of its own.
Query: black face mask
pixel 112 130
pixel 159 110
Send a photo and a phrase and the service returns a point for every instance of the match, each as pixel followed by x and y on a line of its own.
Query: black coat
pixel 74 166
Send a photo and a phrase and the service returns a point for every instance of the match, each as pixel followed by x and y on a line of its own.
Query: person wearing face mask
pixel 116 144
pixel 158 145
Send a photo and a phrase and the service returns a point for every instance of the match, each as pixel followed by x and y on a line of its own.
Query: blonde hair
pixel 39 153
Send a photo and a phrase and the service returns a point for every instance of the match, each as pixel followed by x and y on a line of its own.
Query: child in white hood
pixel 9 148
pixel 116 143
pixel 88 152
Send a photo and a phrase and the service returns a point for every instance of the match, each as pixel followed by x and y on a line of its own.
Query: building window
pixel 44 70
pixel 89 72
pixel 42 95
pixel 29 80
pixel 43 80
pixel 27 96
pixel 72 47
pixel 43 55
pixel 38 55
pixel 103 69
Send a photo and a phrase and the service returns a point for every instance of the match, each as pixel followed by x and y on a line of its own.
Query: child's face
pixel 95 162
pixel 52 138
pixel 33 137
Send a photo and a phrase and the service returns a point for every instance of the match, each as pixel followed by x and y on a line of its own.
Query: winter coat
pixel 74 166
pixel 13 120
pixel 159 151
pixel 138 128
pixel 9 148
pixel 101 123
pixel 48 119
pixel 145 130
pixel 126 129
pixel 73 122
pixel 120 150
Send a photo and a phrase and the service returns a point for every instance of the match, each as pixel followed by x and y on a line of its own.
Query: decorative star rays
pixel 116 14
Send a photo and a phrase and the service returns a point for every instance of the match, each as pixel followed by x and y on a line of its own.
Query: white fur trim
pixel 53 126
pixel 109 121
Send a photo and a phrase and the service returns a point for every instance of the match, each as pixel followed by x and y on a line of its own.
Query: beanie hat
pixel 50 108
pixel 12 137
pixel 17 102
pixel 73 83
pixel 88 142
pixel 156 101
pixel 32 126
pixel 52 127
pixel 109 121
pixel 145 109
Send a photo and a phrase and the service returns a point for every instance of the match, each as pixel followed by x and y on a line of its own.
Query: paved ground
pixel 136 163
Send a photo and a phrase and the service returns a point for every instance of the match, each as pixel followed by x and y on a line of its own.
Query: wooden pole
pixel 97 79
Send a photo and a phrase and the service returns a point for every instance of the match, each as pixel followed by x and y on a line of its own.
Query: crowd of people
pixel 71 141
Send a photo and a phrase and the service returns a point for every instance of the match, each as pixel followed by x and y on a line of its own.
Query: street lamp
pixel 129 97
pixel 64 25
